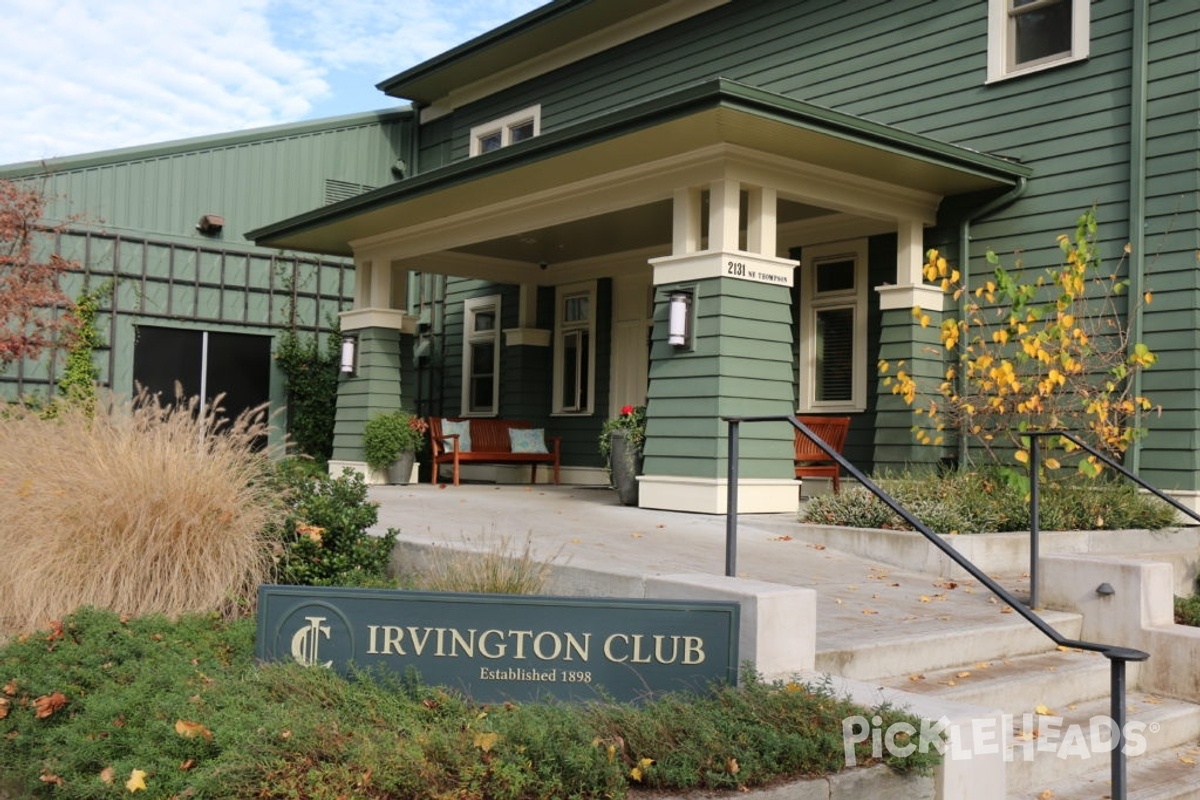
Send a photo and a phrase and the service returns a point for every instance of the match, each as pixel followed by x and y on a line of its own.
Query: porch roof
pixel 715 112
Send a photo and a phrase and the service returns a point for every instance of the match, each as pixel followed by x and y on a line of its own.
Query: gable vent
pixel 336 191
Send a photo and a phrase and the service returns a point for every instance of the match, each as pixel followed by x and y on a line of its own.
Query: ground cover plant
pixel 99 705
pixel 987 501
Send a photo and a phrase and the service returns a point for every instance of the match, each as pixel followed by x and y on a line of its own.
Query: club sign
pixel 505 647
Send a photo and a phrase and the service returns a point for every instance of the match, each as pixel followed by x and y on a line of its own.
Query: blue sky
pixel 77 76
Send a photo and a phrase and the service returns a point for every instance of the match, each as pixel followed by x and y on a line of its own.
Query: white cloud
pixel 84 76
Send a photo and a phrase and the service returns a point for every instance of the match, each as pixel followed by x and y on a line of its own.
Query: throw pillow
pixel 463 429
pixel 527 440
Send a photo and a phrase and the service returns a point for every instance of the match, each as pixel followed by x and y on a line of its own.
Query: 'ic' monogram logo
pixel 306 642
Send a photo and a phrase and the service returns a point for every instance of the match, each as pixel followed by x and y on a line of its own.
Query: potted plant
pixel 390 444
pixel 621 443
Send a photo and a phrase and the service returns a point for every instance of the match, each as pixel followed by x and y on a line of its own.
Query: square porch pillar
pixel 738 362
pixel 383 343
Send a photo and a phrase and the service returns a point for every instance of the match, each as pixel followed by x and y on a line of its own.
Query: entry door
pixel 632 315
pixel 205 363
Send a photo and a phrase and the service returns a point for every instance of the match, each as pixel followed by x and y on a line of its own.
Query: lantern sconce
pixel 349 363
pixel 679 327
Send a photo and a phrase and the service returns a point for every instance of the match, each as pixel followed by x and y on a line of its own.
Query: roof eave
pixel 693 99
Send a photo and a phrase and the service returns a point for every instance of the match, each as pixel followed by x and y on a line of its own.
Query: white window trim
pixel 504 127
pixel 472 306
pixel 1001 43
pixel 560 298
pixel 810 304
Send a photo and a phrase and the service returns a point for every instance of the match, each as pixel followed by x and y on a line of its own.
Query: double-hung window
pixel 833 332
pixel 574 350
pixel 1030 35
pixel 507 130
pixel 481 356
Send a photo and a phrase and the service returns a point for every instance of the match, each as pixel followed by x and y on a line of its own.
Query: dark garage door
pixel 236 364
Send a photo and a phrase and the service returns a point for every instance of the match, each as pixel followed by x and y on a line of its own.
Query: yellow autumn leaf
pixel 192 730
pixel 1022 456
pixel 925 598
pixel 1186 760
pixel 964 675
pixel 137 781
pixel 486 741
pixel 1046 795
pixel 731 766
pixel 1043 711
pixel 639 772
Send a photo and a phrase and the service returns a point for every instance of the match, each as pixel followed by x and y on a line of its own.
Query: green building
pixel 780 168
pixel 187 298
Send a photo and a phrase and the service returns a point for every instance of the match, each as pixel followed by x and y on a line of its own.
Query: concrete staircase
pixel 1010 666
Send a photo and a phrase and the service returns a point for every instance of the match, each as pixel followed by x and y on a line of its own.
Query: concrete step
pixel 1056 679
pixel 1067 747
pixel 1173 774
pixel 905 652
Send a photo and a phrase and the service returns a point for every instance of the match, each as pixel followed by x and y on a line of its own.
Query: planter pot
pixel 400 470
pixel 626 465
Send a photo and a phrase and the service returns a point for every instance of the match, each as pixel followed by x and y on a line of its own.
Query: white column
pixel 362 284
pixel 685 230
pixel 723 216
pixel 761 221
pixel 910 252
pixel 910 289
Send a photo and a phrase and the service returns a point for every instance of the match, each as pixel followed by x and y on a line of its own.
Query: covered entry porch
pixel 791 236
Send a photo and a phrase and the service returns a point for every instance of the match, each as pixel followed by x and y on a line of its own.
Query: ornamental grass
pixel 138 507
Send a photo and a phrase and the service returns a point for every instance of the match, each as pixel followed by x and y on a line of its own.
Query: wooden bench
pixel 490 443
pixel 811 460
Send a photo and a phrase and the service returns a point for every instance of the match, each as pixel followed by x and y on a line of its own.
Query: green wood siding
pixel 921 67
pixel 741 365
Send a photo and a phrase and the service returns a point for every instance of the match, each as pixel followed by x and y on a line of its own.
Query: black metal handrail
pixel 1117 656
pixel 1035 520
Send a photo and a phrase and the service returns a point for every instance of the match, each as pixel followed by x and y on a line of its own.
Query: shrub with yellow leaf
pixel 1052 353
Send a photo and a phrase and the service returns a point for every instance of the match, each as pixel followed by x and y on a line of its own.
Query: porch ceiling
pixel 629 142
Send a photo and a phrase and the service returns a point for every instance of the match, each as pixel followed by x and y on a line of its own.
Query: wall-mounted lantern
pixel 679 327
pixel 349 363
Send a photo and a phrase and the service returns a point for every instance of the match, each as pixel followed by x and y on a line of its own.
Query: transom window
pixel 1030 35
pixel 505 131
pixel 833 311
pixel 574 348
pixel 481 356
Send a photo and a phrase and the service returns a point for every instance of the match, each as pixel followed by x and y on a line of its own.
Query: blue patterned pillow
pixel 527 440
pixel 463 429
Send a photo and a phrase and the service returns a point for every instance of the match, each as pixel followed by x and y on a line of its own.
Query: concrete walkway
pixel 859 600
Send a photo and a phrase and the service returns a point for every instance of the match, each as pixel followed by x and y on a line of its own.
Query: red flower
pixel 625 410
